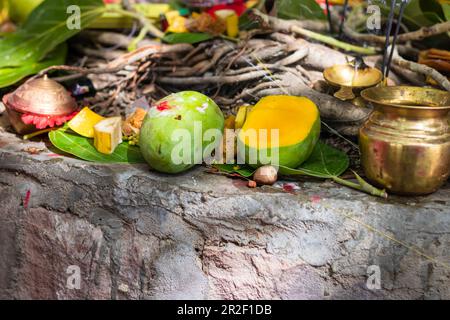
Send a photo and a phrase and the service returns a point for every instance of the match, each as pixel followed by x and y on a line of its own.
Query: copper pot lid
pixel 42 96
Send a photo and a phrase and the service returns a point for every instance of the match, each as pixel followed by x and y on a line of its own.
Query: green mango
pixel 176 132
pixel 297 121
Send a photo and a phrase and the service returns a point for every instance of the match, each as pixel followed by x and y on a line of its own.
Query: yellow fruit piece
pixel 231 20
pixel 251 3
pixel 242 116
pixel 108 135
pixel 83 123
pixel 230 122
pixel 177 23
pixel 233 26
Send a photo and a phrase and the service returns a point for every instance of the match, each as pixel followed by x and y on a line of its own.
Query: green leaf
pixel 329 163
pixel 432 6
pixel 446 9
pixel 300 9
pixel 9 76
pixel 325 162
pixel 176 4
pixel 243 170
pixel 187 37
pixel 44 30
pixel 66 140
pixel 418 13
pixel 247 23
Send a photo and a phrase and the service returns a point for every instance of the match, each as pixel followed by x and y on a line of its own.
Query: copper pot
pixel 41 97
pixel 405 143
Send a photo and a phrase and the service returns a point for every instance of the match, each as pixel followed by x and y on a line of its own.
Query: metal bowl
pixel 349 78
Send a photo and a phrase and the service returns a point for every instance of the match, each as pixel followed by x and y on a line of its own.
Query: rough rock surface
pixel 136 234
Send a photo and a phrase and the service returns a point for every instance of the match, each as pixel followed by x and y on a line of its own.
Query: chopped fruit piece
pixel 108 135
pixel 231 20
pixel 133 123
pixel 177 23
pixel 230 122
pixel 83 123
pixel 242 116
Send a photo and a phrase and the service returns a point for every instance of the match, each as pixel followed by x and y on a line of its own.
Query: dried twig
pixel 422 69
pixel 293 26
pixel 420 34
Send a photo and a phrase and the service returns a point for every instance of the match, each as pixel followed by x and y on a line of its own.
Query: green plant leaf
pixel 44 30
pixel 446 9
pixel 300 9
pixel 325 162
pixel 68 141
pixel 243 170
pixel 9 76
pixel 187 37
pixel 418 13
pixel 329 163
pixel 247 23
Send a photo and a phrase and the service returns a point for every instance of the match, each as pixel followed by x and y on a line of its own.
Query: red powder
pixel 288 187
pixel 27 199
pixel 163 106
pixel 315 199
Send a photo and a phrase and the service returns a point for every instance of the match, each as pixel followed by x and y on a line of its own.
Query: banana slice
pixel 108 134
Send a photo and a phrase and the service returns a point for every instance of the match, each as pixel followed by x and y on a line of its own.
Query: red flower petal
pixel 42 122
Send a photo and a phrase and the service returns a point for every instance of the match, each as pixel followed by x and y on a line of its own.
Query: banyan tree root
pixel 231 73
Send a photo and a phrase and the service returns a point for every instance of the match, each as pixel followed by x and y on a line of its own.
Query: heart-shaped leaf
pixel 324 162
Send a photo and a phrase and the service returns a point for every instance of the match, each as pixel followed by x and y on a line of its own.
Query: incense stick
pixel 344 15
pixel 394 41
pixel 329 16
pixel 388 34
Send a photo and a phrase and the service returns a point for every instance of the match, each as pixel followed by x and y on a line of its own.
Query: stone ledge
pixel 137 234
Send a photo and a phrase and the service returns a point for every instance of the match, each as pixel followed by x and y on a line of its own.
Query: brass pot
pixel 405 143
pixel 351 80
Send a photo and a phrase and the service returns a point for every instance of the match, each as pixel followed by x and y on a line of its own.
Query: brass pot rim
pixel 337 84
pixel 366 95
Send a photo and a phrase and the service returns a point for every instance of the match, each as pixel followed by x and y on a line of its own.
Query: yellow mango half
pixel 286 126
